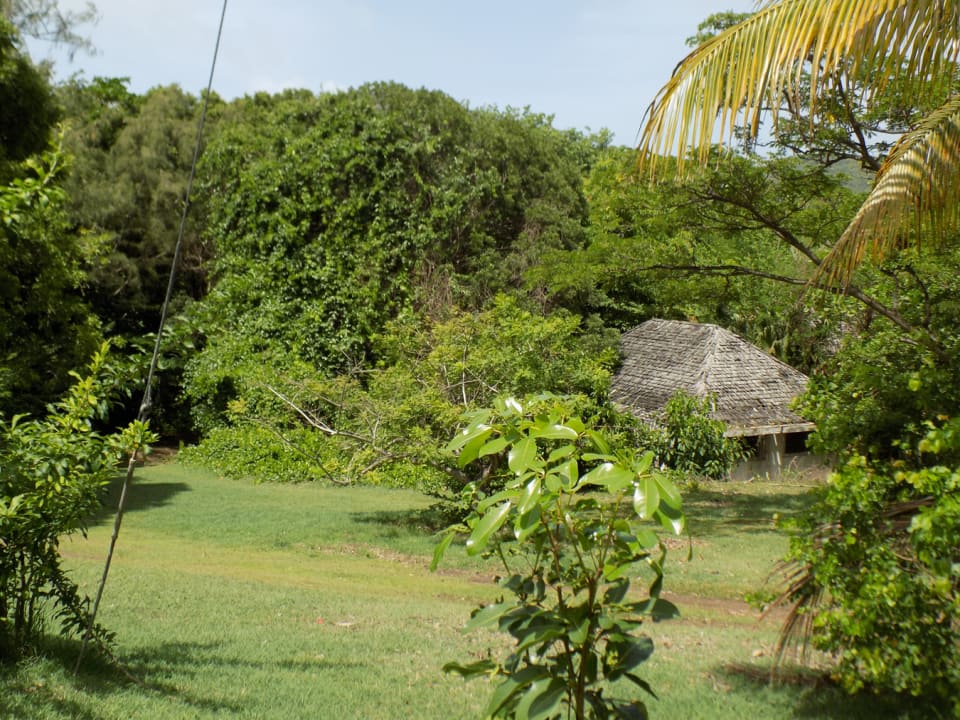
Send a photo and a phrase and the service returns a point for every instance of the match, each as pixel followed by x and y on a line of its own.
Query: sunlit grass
pixel 236 600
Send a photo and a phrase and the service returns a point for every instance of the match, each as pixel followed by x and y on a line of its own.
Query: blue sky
pixel 590 64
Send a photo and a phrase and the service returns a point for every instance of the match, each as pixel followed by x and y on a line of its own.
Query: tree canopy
pixel 811 58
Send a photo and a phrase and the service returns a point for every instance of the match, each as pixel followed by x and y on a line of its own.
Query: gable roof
pixel 753 390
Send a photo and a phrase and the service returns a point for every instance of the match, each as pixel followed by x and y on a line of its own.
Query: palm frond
pixel 916 194
pixel 748 69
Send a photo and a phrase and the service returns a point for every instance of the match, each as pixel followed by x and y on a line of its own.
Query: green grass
pixel 233 600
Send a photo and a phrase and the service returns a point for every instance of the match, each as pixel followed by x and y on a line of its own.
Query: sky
pixel 591 64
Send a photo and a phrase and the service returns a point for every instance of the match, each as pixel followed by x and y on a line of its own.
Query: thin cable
pixel 147 402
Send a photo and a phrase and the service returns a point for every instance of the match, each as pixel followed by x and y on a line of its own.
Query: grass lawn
pixel 233 600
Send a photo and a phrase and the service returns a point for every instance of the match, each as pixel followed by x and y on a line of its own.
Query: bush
pixel 688 440
pixel 52 472
pixel 569 528
pixel 877 572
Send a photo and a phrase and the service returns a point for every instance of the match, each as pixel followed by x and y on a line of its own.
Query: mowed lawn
pixel 230 599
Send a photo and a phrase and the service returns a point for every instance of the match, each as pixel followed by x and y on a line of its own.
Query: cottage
pixel 752 391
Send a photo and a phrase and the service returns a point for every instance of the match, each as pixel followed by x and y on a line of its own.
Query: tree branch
pixel 931 341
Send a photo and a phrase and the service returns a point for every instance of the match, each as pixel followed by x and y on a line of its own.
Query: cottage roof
pixel 753 390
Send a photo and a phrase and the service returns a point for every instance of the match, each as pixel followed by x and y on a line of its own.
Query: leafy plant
pixel 52 472
pixel 568 526
pixel 688 440
pixel 874 573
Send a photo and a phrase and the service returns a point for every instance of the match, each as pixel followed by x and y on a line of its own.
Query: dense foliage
pixel 46 325
pixel 568 526
pixel 127 187
pixel 686 439
pixel 285 421
pixel 879 583
pixel 52 474
pixel 733 245
pixel 333 214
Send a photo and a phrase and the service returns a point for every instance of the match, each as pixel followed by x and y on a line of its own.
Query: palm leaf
pixel 916 194
pixel 736 76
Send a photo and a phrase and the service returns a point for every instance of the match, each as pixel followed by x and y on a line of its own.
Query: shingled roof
pixel 753 390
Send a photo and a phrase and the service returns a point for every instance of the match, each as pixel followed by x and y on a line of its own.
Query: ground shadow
pixel 721 512
pixel 429 519
pixel 822 699
pixel 145 668
pixel 140 496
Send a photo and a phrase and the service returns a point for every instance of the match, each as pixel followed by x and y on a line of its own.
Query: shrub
pixel 688 440
pixel 876 573
pixel 52 472
pixel 568 526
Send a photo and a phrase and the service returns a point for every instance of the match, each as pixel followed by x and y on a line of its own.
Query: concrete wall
pixel 771 460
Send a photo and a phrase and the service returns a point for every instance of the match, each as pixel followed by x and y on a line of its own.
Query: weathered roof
pixel 753 390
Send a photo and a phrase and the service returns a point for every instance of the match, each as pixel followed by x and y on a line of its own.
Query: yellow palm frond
pixel 748 69
pixel 916 194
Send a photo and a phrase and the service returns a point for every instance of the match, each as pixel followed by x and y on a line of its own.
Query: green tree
pixel 28 111
pixel 570 526
pixel 873 575
pixel 827 55
pixel 127 186
pixel 52 474
pixel 733 244
pixel 688 440
pixel 270 416
pixel 333 215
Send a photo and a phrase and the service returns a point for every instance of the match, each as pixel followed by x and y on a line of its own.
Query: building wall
pixel 770 460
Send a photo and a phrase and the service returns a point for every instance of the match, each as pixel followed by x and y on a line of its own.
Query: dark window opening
pixel 795 442
pixel 751 444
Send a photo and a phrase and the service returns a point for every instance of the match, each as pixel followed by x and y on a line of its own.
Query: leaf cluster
pixel 569 526
pixel 52 474
pixel 874 574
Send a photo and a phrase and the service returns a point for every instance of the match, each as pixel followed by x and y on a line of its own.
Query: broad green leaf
pixel 647 539
pixel 609 476
pixel 531 494
pixel 440 549
pixel 555 432
pixel 664 610
pixel 671 519
pixel 466 435
pixel 512 685
pixel 527 524
pixel 646 497
pixel 644 463
pixel 488 502
pixel 594 457
pixel 616 593
pixel 542 700
pixel 489 524
pixel 615 571
pixel 599 441
pixel 561 452
pixel 487 615
pixel 522 455
pixel 578 636
pixel 570 472
pixel 492 447
pixel 512 405
pixel 471 448
pixel 669 493
pixel 631 653
pixel 554 483
pixel 576 424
